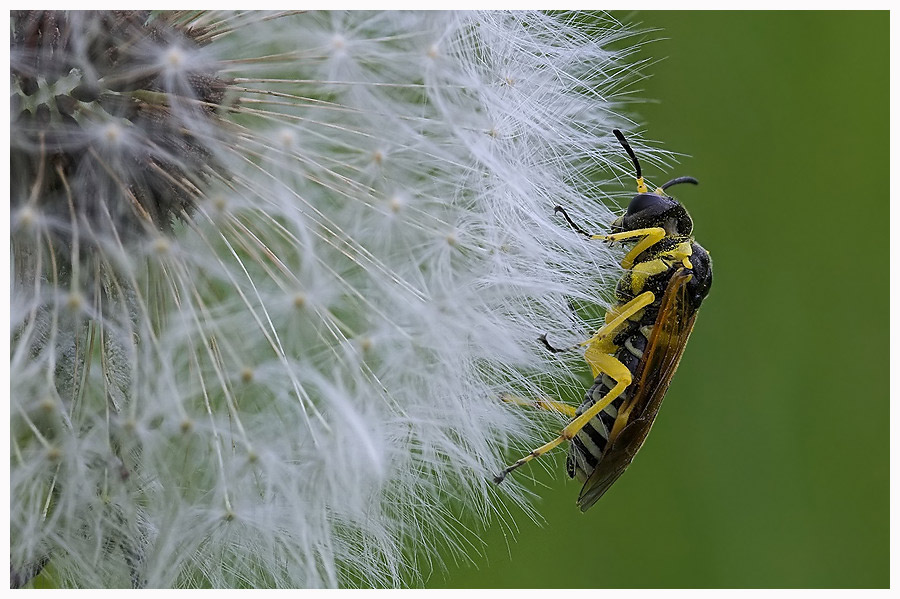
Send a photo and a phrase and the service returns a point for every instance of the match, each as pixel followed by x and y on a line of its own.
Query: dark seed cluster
pixel 104 137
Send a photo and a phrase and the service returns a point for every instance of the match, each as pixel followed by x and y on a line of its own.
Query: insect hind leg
pixel 599 361
pixel 605 363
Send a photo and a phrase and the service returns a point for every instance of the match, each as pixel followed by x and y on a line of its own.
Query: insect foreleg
pixel 561 210
pixel 618 372
pixel 650 236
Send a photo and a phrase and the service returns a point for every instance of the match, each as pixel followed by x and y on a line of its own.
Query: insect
pixel 635 354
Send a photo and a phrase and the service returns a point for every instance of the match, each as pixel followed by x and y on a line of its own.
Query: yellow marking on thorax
pixel 643 271
pixel 679 253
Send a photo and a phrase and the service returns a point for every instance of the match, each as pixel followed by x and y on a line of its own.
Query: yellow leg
pixel 599 343
pixel 596 344
pixel 614 319
pixel 551 405
pixel 599 358
pixel 619 373
pixel 650 236
pixel 615 369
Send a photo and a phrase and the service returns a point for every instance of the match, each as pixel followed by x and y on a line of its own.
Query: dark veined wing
pixel 658 364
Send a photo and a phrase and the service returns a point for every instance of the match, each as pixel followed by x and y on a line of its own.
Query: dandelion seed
pixel 271 273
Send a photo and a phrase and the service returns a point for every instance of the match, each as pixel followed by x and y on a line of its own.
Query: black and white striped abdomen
pixel 589 443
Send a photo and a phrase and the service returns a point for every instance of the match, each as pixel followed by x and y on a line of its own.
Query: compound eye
pixel 644 201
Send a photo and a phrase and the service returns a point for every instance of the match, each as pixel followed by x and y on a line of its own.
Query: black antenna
pixel 678 180
pixel 621 138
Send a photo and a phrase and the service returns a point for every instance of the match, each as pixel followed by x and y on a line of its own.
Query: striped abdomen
pixel 589 443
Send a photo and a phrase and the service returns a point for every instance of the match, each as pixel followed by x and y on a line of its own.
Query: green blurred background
pixel 769 464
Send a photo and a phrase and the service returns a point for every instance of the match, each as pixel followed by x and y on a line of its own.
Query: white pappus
pixel 271 272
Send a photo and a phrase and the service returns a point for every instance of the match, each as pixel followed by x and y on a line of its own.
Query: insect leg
pixel 561 210
pixel 615 369
pixel 619 373
pixel 551 405
pixel 614 319
pixel 600 343
pixel 536 453
pixel 650 236
pixel 599 358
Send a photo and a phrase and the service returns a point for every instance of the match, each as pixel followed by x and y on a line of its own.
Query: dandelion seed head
pixel 272 273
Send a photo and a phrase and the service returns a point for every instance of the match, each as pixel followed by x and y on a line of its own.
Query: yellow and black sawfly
pixel 635 354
